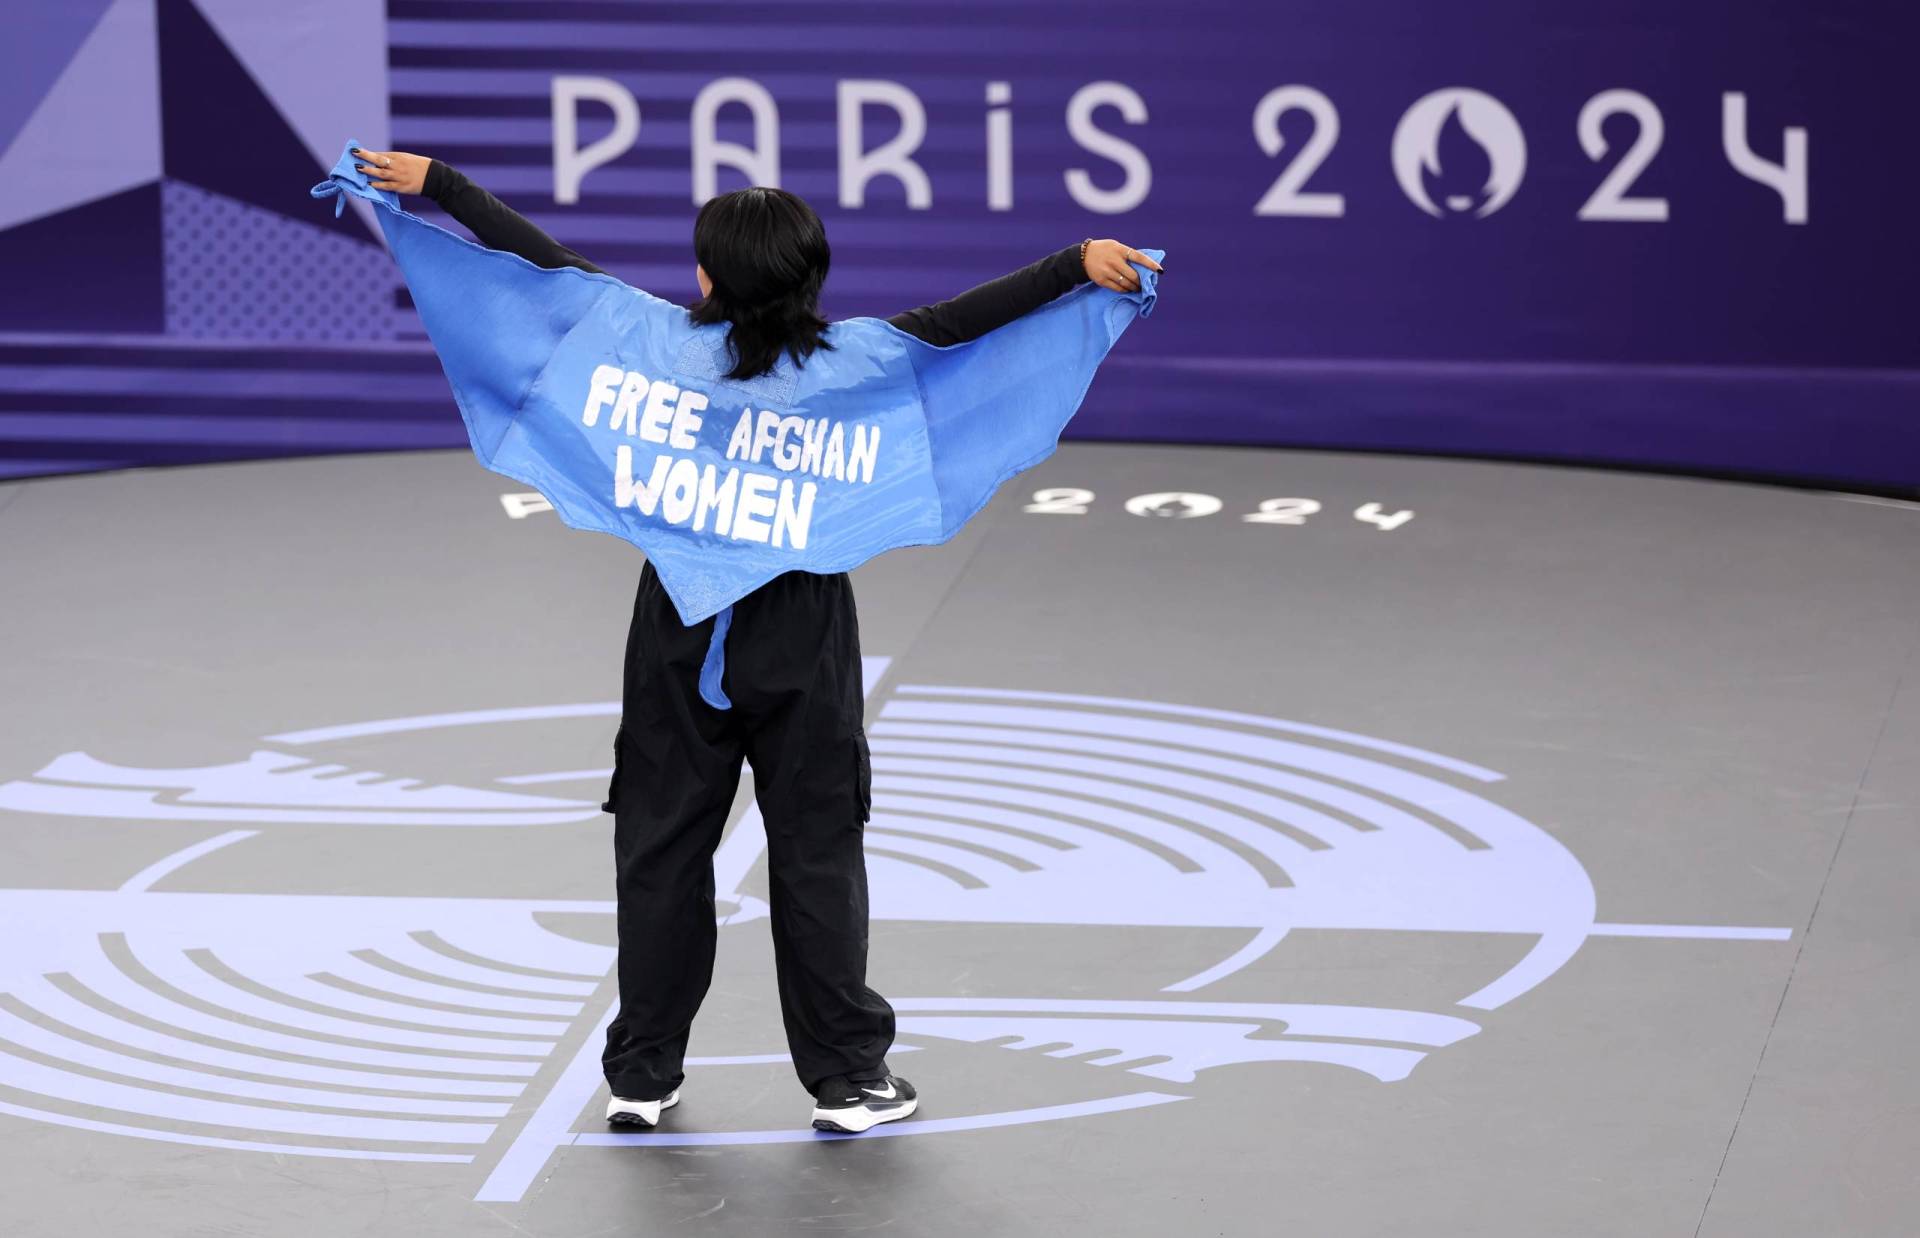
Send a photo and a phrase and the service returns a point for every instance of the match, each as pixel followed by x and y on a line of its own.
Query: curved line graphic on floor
pixel 406 1028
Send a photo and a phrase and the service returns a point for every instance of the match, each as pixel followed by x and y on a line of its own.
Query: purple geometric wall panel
pixel 1618 232
pixel 218 129
pixel 92 268
pixel 238 272
pixel 41 39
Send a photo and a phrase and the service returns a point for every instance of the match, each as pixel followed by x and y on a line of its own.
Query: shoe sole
pixel 634 1119
pixel 859 1119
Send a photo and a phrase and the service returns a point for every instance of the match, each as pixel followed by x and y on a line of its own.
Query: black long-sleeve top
pixel 966 317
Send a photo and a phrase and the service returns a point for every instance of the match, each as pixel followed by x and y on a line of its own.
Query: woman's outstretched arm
pixel 495 224
pixel 998 302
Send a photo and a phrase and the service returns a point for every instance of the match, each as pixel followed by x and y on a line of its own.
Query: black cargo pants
pixel 793 675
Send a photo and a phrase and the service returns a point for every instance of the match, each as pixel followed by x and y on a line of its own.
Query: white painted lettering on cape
pixel 740 501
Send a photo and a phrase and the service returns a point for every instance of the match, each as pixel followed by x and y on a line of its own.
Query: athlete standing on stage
pixel 793 674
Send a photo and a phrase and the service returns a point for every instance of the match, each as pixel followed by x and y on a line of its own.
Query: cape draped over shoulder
pixel 614 406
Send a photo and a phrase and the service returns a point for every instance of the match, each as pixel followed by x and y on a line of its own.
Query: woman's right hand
pixel 394 170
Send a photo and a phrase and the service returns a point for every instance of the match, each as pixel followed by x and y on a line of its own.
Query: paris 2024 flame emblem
pixel 1459 153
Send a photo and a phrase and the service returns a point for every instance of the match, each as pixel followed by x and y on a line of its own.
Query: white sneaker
pixel 643 1113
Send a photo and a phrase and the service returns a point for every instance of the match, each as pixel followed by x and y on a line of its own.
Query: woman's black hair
pixel 766 253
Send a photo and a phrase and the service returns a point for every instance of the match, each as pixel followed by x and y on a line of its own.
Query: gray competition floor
pixel 1539 863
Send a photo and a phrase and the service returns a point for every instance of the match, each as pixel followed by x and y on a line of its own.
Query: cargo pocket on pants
pixel 613 784
pixel 864 774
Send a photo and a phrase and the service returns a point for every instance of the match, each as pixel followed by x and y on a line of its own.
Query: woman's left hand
pixel 394 170
pixel 1108 262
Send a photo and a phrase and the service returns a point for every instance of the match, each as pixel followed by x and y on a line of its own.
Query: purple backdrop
pixel 1611 230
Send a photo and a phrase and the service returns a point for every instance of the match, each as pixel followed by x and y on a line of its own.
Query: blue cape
pixel 611 403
